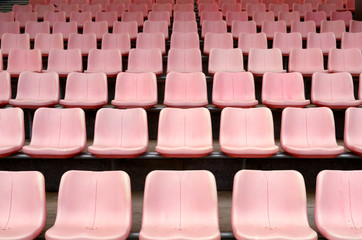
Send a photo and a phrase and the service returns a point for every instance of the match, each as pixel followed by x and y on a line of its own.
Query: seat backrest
pixel 238 27
pixel 5 88
pixel 184 60
pixel 12 132
pixel 45 42
pixel 53 17
pixel 271 27
pixel 14 41
pixel 145 60
pixel 80 17
pixel 25 60
pixel 306 60
pixel 99 28
pixel 227 7
pixel 183 7
pixel 302 8
pixel 65 28
pixel 133 16
pixel 351 40
pixel 184 27
pixel 337 27
pixel 22 8
pixel 213 27
pixel 101 60
pixel 317 17
pixel 353 128
pixel 355 26
pixel 346 16
pixel 159 16
pixel 42 9
pixel 109 17
pixel 324 41
pixel 255 7
pixel 93 8
pixel 265 59
pixel 259 17
pixel 287 41
pixel 32 28
pixel 288 17
pixel 68 60
pixel 245 2
pixel 303 28
pixel 68 8
pixel 85 42
pixel 138 8
pixel 235 16
pixel 119 41
pixel 130 28
pixel 276 8
pixel 211 16
pixel 185 40
pixel 218 40
pixel 327 8
pixel 150 26
pixel 151 40
pixel 344 59
pixel 23 17
pixel 9 27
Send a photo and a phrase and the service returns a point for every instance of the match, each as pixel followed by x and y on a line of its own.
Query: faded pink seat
pixel 21 60
pixel 210 7
pixel 5 88
pixel 53 17
pixel 119 41
pixel 185 90
pixel 118 7
pixel 238 27
pixel 162 7
pixel 33 28
pixel 151 40
pixel 109 17
pixel 148 2
pixel 98 28
pixel 64 61
pixel 346 16
pixel 85 90
pixel 36 90
pixel 248 41
pixel 276 8
pixel 235 16
pixel 129 28
pixel 145 60
pixel 135 90
pixel 184 27
pixel 226 60
pixel 65 28
pixel 255 7
pixel 103 3
pixel 339 4
pixel 222 2
pixel 355 26
pixel 210 16
pixel 259 17
pixel 105 61
pixel 58 2
pixel 268 2
pixel 45 42
pixel 337 27
pixel 80 18
pixel 85 42
pixel 265 60
pixel 184 208
pixel 23 17
pixel 93 9
pixel 184 60
pixel 159 16
pixel 68 8
pixel 155 27
pixel 270 205
pixel 120 134
pixel 133 7
pixel 324 41
pixel 245 2
pixel 352 130
pixel 9 27
pixel 22 8
pixel 57 133
pixel 133 16
pixel 11 141
pixel 41 9
pixel 233 90
pixel 333 90
pixel 351 5
pixel 287 41
pixel 345 60
pixel 230 7
pixel 303 28
pixel 351 40
pixel 289 17
pixel 177 131
pixel 306 61
pixel 184 8
pixel 185 40
pixel 271 27
pixel 317 17
pixel 213 27
pixel 309 133
pixel 302 8
pixel 125 2
pixel 79 2
pixel 247 133
pixel 22 201
pixel 314 3
pixel 218 40
pixel 291 2
pixel 91 207
pixel 327 8
pixel 281 90
pixel 14 41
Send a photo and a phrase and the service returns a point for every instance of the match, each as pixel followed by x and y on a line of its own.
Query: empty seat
pixel 64 61
pixel 351 40
pixel 228 7
pixel 317 17
pixel 337 27
pixel 222 2
pixel 309 133
pixel 80 18
pixel 9 27
pixel 265 60
pixel 184 133
pixel 129 28
pixel 245 2
pixel 352 130
pixel 314 3
pixel 5 88
pixel 291 2
pixel 184 8
pixel 98 28
pixel 45 42
pixel 118 7
pixel 103 3
pixel 41 9
pixel 22 8
pixel 85 42
pixel 287 41
pixel 255 7
pixel 351 5
pixel 125 2
pixel 235 16
pixel 184 60
pixel 306 61
pixel 65 28
pixel 21 60
pixel 85 90
pixel 210 16
pixel 36 90
pixel 303 28
pixel 105 61
pixel 302 8
pixel 248 41
pixel 119 41
pixel 90 204
pixel 218 40
pixel 14 41
pixel 270 204
pixel 184 27
pixel 109 17
pixel 213 27
pixel 68 8
pixel 355 26
pixel 185 208
pixel 93 9
pixel 327 8
pixel 133 16
pixel 289 17
pixel 12 140
pixel 145 60
pixel 271 27
pixel 58 2
pixel 324 41
pixel 34 2
pixel 238 27
pixel 333 90
pixel 339 4
pixel 53 17
pixel 159 16
pixel 151 40
pixel 276 8
pixel 57 133
pixel 210 7
pixel 32 28
pixel 155 27
pixel 148 2
pixel 138 8
pixel 268 2
pixel 226 60
pixel 259 17
pixel 23 17
pixel 162 7
pixel 345 60
pixel 247 133
pixel 185 40
pixel 346 16
pixel 79 2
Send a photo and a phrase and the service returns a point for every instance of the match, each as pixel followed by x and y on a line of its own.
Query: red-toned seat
pixel 80 18
pixel 85 42
pixel 337 27
pixel 265 60
pixel 351 40
pixel 133 7
pixel 210 16
pixel 9 27
pixel 68 8
pixel 317 17
pixel 121 41
pixel 324 41
pixel 289 17
pixel 184 26
pixel 41 9
pixel 93 9
pixel 105 61
pixel 259 17
pixel 145 60
pixel 23 17
pixel 129 28
pixel 45 42
pixel 352 130
pixel 184 60
pixel 226 60
pixel 255 7
pixel 346 16
pixel 213 27
pixel 98 28
pixel 327 8
pixel 53 17
pixel 151 40
pixel 271 27
pixel 238 27
pixel 21 60
pixel 159 16
pixel 235 16
pixel 133 16
pixel 65 28
pixel 303 28
pixel 218 40
pixel 302 8
pixel 287 41
pixel 248 41
pixel 109 17
pixel 65 61
pixel 119 8
pixel 150 26
pixel 306 61
pixel 276 8
pixel 185 40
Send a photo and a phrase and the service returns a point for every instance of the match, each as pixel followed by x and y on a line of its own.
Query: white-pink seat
pixel 185 40
pixel 14 41
pixel 184 60
pixel 36 90
pixel 303 28
pixel 213 27
pixel 135 90
pixel 7 17
pixel 145 60
pixel 23 17
pixel 259 17
pixel 41 9
pixel 210 16
pixel 184 26
pixel 133 16
pixel 226 60
pixel 33 28
pixel 85 90
pixel 228 7
pixel 46 41
pixel 80 18
pixel 324 41
pixel 317 17
pixel 185 12
pixel 159 16
pixel 65 28
pixel 339 4
pixel 333 90
pixel 133 7
pixel 5 88
pixel 151 40
pixel 218 40
pixel 109 17
pixel 289 17
pixel 265 60
pixel 118 7
pixel 345 60
pixel 276 8
pixel 21 60
pixel 327 8
pixel 248 41
pixel 287 41
pixel 184 208
pixel 57 133
pixel 271 27
pixel 155 27
pixel 85 195
pixel 352 130
pixel 129 28
pixel 103 3
pixel 238 27
pixel 255 7
pixel 162 7
pixel 270 205
pixel 281 90
pixel 302 8
pixel 306 61
pixel 185 90
pixel 85 42
pixel 245 2
pixel 64 61
pixel 346 16
pixel 314 3
pixel 68 8
pixel 105 61
pixel 355 26
pixel 235 16
pixel 337 27
pixel 22 8
pixel 11 141
pixel 309 133
pixel 53 17
pixel 351 40
pixel 98 28
pixel 9 27
pixel 184 133
pixel 92 8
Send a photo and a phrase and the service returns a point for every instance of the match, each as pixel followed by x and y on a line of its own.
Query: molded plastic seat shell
pixel 155 27
pixel 345 60
pixel 105 61
pixel 98 28
pixel 184 60
pixel 130 28
pixel 324 41
pixel 65 61
pixel 160 16
pixel 151 40
pixel 33 28
pixel 185 40
pixel 337 27
pixel 210 16
pixel 53 17
pixel 80 18
pixel 289 17
pixel 271 27
pixel 255 7
pixel 238 27
pixel 352 130
pixel 276 8
pixel 265 60
pixel 235 16
pixel 92 8
pixel 287 41
pixel 346 16
pixel 317 17
pixel 355 26
pixel 351 40
pixel 11 141
pixel 303 28
pixel 213 27
pixel 45 42
pixel 259 17
pixel 218 40
pixel 109 17
pixel 328 8
pixel 85 42
pixel 41 9
pixel 23 17
pixel 21 60
pixel 133 16
pixel 226 60
pixel 14 41
pixel 121 41
pixel 302 8
pixel 306 61
pixel 145 60
pixel 184 26
pixel 248 41
pixel 9 27
pixel 65 28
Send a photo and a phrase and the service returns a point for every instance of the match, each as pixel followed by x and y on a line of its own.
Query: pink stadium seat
pixel 14 41
pixel 355 26
pixel 291 2
pixel 159 16
pixel 155 27
pixel 98 28
pixel 306 61
pixel 177 131
pixel 185 208
pixel 289 17
pixel 352 130
pixel 184 90
pixel 133 16
pixel 85 42
pixel 68 8
pixel 120 134
pixel 21 60
pixel 185 40
pixel 22 200
pixel 317 17
pixel 145 60
pixel 103 3
pixel 172 2
pixel 23 17
pixel 58 2
pixel 85 90
pixel 337 27
pixel 12 140
pixel 281 90
pixel 268 2
pixel 80 18
pixel 327 8
pixel 119 8
pixel 222 2
pixel 210 16
pixel 34 2
pixel 259 17
pixel 314 3
pixel 36 90
pixel 218 40
pixel 238 27
pixel 32 28
pixel 339 3
pixel 183 7
pixel 245 2
pixel 210 7
pixel 42 9
pixel 85 195
pixel 5 88
pixel 109 17
pixel 228 7
pixel 45 42
pixel 302 8
pixel 79 2
pixel 22 8
pixel 233 90
pixel 129 28
pixel 345 60
pixel 287 41
pixel 247 133
pixel 7 17
pixel 235 16
pixel 351 5
pixel 151 40
pixel 119 41
pixel 184 27
pixel 276 8
pixel 53 17
pixel 333 90
pixel 198 2
pixel 105 61
pixel 255 7
pixel 265 60
pixel 93 9
pixel 139 8
pixel 309 133
pixel 346 16
pixel 184 60
pixel 213 27
pixel 65 61
pixel 148 2
pixel 125 2
pixel 226 60
pixel 65 28
pixel 351 40
pixel 270 204
pixel 324 41
pixel 135 90
pixel 162 7
pixel 271 27
pixel 303 28
pixel 57 133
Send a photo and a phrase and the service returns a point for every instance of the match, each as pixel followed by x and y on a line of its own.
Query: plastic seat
pixel 346 16
pixel 345 60
pixel 98 28
pixel 339 4
pixel 148 2
pixel 302 8
pixel 265 60
pixel 287 41
pixel 7 17
pixel 21 60
pixel 270 204
pixel 268 2
pixel 145 60
pixel 162 7
pixel 222 2
pixel 172 2
pixel 65 61
pixel 351 40
pixel 218 40
pixel 276 8
pixel 352 130
pixel 184 90
pixel 177 131
pixel 105 61
pixel 185 40
pixel 271 27
pixel 247 133
pixel 23 17
pixel 210 16
pixel 351 5
pixel 245 2
pixel 259 17
pixel 41 9
pixel 187 7
pixel 238 27
pixel 133 16
pixel 79 2
pixel 68 8
pixel 48 141
pixel 129 28
pixel 333 90
pixel 5 88
pixel 186 207
pixel 12 140
pixel 179 16
pixel 226 60
pixel 155 27
pixel 235 16
pixel 303 28
pixel 80 18
pixel 53 17
pixel 91 206
pixel 281 90
pixel 255 7
pixel 337 27
pixel 184 27
pixel 289 17
pixel 93 9
pixel 324 41
pixel 139 8
pixel 309 133
pixel 125 2
pixel 184 60
pixel 210 7
pixel 65 28
pixel 103 3
pixel 58 2
pixel 314 3
pixel 34 2
pixel 213 27
pixel 355 26
pixel 327 8
pixel 45 42
pixel 151 40
pixel 227 7
pixel 32 28
pixel 85 42
pixel 109 17
pixel 22 8
pixel 159 16
pixel 14 41
pixel 306 61
pixel 36 90
pixel 119 8
pixel 317 17
pixel 119 41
